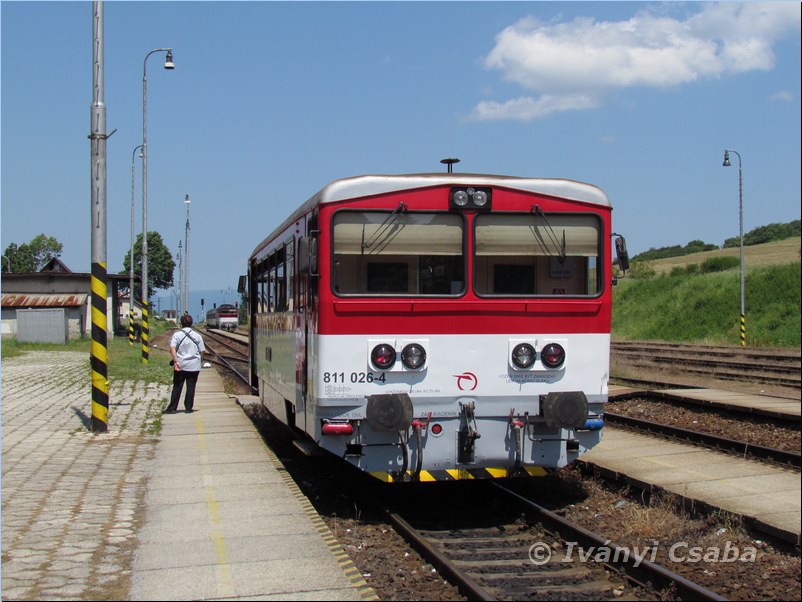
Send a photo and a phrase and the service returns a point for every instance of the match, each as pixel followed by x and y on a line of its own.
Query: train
pixel 438 327
pixel 224 317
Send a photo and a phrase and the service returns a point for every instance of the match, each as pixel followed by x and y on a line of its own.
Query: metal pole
pixel 186 256
pixel 99 356
pixel 179 311
pixel 741 225
pixel 741 236
pixel 145 296
pixel 131 257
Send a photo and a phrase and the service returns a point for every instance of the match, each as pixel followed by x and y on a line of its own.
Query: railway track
pixel 744 449
pixel 740 364
pixel 540 556
pixel 229 350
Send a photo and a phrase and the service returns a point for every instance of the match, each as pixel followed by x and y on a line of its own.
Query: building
pixel 56 304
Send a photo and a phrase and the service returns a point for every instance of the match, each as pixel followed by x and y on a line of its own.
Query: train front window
pixel 537 254
pixel 395 253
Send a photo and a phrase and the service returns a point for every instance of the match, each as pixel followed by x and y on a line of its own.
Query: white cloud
pixel 572 65
pixel 782 95
pixel 526 108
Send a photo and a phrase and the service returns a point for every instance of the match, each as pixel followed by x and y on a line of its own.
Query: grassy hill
pixel 771 253
pixel 705 307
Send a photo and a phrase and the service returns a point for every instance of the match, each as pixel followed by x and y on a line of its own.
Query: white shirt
pixel 188 350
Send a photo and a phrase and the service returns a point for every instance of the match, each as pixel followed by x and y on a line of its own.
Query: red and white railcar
pixel 438 326
pixel 225 317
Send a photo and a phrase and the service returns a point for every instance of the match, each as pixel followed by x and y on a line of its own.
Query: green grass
pixel 687 306
pixel 125 363
pixel 11 348
pixel 124 360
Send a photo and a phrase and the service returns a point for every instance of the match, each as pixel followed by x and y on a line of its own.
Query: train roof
pixel 372 185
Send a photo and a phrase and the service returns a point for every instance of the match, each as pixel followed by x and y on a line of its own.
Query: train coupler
pixel 419 425
pixel 468 434
pixel 516 424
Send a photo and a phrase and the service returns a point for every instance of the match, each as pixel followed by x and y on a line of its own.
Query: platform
pixel 225 521
pixel 763 405
pixel 765 495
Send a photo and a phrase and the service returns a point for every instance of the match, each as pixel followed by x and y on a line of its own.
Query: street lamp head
pixel 186 199
pixel 726 159
pixel 168 61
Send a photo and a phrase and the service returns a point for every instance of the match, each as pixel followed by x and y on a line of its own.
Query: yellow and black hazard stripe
pixel 461 474
pixel 131 322
pixel 144 331
pixel 100 352
pixel 743 329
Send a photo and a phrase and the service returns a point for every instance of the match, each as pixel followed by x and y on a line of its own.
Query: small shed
pixel 57 288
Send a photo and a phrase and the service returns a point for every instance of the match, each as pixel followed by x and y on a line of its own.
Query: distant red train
pixel 225 317
pixel 438 326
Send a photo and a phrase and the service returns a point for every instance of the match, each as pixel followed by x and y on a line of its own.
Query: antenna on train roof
pixel 450 163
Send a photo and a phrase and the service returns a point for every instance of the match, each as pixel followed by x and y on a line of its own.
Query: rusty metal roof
pixel 53 300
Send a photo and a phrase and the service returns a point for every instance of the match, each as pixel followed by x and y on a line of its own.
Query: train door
pixel 306 274
pixel 247 285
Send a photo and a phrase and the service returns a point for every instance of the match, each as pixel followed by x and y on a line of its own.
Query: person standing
pixel 187 348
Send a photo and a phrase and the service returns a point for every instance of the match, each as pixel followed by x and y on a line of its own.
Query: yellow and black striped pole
pixel 99 362
pixel 131 321
pixel 145 304
pixel 743 330
pixel 97 137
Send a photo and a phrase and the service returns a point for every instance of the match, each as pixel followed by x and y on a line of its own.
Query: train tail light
pixel 337 428
pixel 413 356
pixel 523 356
pixel 383 356
pixel 552 355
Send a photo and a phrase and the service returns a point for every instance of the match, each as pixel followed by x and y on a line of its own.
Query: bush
pixel 641 270
pixel 719 264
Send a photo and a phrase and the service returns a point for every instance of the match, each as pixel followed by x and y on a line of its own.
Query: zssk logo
pixel 466 381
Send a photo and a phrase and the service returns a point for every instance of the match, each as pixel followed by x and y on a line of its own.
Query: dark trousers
pixel 179 377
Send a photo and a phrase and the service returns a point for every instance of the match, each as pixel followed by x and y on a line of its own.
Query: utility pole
pixel 97 137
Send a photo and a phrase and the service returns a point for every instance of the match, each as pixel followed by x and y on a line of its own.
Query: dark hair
pixel 186 320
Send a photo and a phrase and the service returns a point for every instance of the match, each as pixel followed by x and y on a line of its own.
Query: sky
pixel 270 101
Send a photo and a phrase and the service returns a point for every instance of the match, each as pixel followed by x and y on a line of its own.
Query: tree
pixel 160 264
pixel 33 256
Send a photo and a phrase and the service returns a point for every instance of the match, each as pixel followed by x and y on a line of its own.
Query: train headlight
pixel 413 356
pixel 523 356
pixel 460 198
pixel 383 356
pixel 471 197
pixel 552 355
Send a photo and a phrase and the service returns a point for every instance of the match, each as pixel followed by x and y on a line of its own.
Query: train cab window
pixel 537 254
pixel 398 253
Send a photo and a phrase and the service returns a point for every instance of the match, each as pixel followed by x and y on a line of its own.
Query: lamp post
pixel 741 234
pixel 186 258
pixel 179 308
pixel 131 256
pixel 168 64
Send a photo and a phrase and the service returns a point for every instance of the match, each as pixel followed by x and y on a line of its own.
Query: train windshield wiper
pixel 383 228
pixel 558 244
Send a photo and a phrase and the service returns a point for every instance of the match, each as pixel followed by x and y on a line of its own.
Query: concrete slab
pixel 224 521
pixel 756 490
